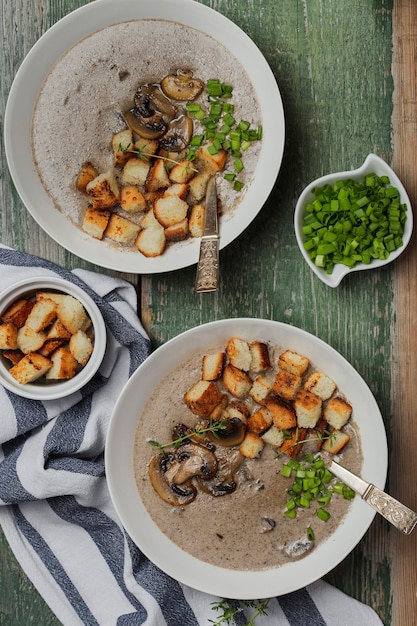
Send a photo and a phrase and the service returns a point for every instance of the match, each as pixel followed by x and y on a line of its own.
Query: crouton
pixel 182 172
pixel 212 366
pixel 273 436
pixel 14 356
pixel 196 220
pixel 236 381
pixel 239 353
pixel 72 314
pixel 177 189
pixel 8 336
pixel 151 242
pixel 149 221
pixel 58 331
pixel 58 298
pixel 30 341
pixel 135 171
pixel 293 362
pixel 50 345
pixel 259 421
pixel 157 176
pixel 337 412
pixel 252 446
pixel 95 222
pixel 31 367
pixel 211 162
pixel 320 384
pixel 293 445
pixel 286 384
pixel 239 410
pixel 197 187
pixel 203 397
pixel 64 365
pixel 146 147
pixel 87 173
pixel 104 191
pixel 261 388
pixel 260 356
pixel 307 408
pixel 337 440
pixel 177 232
pixel 42 314
pixel 170 210
pixel 283 414
pixel 121 229
pixel 132 200
pixel 218 411
pixel 122 144
pixel 81 347
pixel 18 312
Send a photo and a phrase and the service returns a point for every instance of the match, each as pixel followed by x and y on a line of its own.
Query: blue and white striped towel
pixel 55 508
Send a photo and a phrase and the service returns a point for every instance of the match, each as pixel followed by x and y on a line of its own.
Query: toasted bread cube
pixel 95 222
pixel 58 298
pixel 58 331
pixel 261 388
pixel 149 221
pixel 337 412
pixel 81 347
pixel 293 445
pixel 170 210
pixel 146 147
pixel 31 367
pixel 121 229
pixel 157 176
pixel 320 384
pixel 259 421
pixel 30 341
pixel 104 191
pixel 239 353
pixel 132 200
pixel 196 220
pixel 72 314
pixel 236 381
pixel 211 162
pixel 177 189
pixel 283 414
pixel 135 172
pixel 212 366
pixel 337 440
pixel 197 187
pixel 170 157
pixel 218 411
pixel 293 362
pixel 203 398
pixel 273 436
pixel 182 172
pixel 239 410
pixel 50 346
pixel 18 312
pixel 151 242
pixel 14 356
pixel 308 408
pixel 122 144
pixel 177 232
pixel 8 336
pixel 87 173
pixel 260 356
pixel 252 446
pixel 64 365
pixel 42 314
pixel 286 385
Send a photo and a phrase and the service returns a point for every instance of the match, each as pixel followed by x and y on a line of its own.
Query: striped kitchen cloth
pixel 55 508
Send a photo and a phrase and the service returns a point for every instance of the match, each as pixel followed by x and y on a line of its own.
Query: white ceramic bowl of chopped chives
pixel 354 220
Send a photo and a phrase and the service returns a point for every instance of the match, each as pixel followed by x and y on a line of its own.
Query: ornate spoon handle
pixel 208 264
pixel 398 514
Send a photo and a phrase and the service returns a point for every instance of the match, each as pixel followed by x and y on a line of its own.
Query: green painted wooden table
pixel 347 76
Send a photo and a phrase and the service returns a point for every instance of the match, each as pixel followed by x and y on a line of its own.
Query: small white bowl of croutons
pixel 52 338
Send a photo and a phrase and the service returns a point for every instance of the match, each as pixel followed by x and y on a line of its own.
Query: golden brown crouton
pixel 42 314
pixel 182 172
pixel 239 410
pixel 212 366
pixel 293 362
pixel 151 241
pixel 131 199
pixel 260 356
pixel 146 148
pixel 307 408
pixel 50 345
pixel 104 191
pixel 273 436
pixel 31 367
pixel 64 365
pixel 320 384
pixel 337 440
pixel 261 388
pixel 30 341
pixel 283 414
pixel 177 189
pixel 236 381
pixel 14 356
pixel 157 176
pixel 211 162
pixel 58 331
pixel 203 397
pixel 177 232
pixel 170 210
pixel 122 143
pixel 135 171
pixel 121 229
pixel 286 385
pixel 18 312
pixel 95 222
pixel 252 446
pixel 197 187
pixel 81 347
pixel 239 353
pixel 72 314
pixel 259 421
pixel 293 445
pixel 8 336
pixel 196 220
pixel 87 173
pixel 337 412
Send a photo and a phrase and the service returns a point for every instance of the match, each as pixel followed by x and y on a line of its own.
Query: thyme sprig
pixel 231 608
pixel 325 435
pixel 147 156
pixel 215 427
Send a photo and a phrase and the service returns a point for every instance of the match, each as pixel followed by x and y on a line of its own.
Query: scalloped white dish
pixel 372 164
pixel 132 511
pixel 59 41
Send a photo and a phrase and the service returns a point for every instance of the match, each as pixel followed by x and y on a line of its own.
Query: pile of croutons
pixel 150 197
pixel 288 404
pixel 48 336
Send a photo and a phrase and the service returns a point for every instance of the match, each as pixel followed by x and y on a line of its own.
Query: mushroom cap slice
pixel 165 490
pixel 182 86
pixel 147 127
